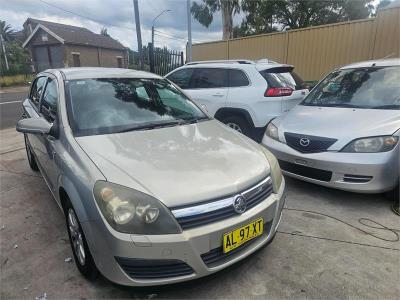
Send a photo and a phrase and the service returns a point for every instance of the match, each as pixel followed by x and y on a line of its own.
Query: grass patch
pixel 13 80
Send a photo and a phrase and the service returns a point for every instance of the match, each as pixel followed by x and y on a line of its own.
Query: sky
pixel 118 17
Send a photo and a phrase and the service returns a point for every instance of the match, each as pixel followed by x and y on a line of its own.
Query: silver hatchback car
pixel 345 133
pixel 154 191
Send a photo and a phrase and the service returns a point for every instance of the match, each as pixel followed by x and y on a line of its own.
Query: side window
pixel 210 78
pixel 181 78
pixel 48 106
pixel 37 90
pixel 237 78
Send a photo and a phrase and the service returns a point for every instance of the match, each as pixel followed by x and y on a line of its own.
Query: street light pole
pixel 189 17
pixel 138 33
pixel 154 21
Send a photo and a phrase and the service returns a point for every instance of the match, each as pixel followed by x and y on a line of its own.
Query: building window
pixel 45 37
pixel 119 62
pixel 76 59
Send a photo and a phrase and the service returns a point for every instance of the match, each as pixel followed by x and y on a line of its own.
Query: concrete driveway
pixel 315 254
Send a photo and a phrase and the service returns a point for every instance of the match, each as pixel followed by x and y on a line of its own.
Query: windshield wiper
pixel 389 106
pixel 194 120
pixel 151 125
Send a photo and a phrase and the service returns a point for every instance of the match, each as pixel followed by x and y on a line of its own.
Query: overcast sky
pixel 118 17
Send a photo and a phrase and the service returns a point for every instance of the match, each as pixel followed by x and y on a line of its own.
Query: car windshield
pixel 373 88
pixel 112 105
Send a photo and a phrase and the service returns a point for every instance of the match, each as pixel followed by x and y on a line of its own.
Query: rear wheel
pixel 238 123
pixel 83 258
pixel 29 154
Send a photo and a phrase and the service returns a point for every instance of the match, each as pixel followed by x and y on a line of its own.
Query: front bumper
pixel 355 172
pixel 192 246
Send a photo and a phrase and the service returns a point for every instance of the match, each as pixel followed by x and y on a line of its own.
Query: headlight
pixel 276 173
pixel 372 144
pixel 272 131
pixel 131 211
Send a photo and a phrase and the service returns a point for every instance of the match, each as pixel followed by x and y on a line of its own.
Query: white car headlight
pixel 272 131
pixel 276 173
pixel 371 144
pixel 131 211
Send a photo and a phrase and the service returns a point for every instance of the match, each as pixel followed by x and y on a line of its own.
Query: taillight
pixel 278 92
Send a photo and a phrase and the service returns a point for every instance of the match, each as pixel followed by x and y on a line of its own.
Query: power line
pixel 85 17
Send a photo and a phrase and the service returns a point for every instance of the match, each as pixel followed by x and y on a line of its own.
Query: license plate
pixel 241 235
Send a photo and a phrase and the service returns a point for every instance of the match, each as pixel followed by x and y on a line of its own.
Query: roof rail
pixel 266 61
pixel 238 61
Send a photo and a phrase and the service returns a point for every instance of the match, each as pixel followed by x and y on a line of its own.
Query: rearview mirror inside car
pixel 34 126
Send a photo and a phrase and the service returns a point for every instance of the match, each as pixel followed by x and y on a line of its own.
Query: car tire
pixel 238 123
pixel 29 154
pixel 82 256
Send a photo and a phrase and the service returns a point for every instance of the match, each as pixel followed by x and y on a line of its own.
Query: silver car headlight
pixel 372 144
pixel 272 131
pixel 276 173
pixel 131 211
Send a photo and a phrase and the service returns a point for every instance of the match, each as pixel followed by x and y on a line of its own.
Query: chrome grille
pixel 216 210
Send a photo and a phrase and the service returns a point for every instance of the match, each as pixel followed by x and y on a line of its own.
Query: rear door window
pixel 37 90
pixel 181 78
pixel 206 78
pixel 237 78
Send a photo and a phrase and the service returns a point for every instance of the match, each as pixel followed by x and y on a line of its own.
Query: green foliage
pixel 13 80
pixel 6 31
pixel 204 13
pixel 267 15
pixel 18 59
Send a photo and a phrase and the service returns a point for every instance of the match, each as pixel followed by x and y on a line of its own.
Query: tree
pixel 205 11
pixel 6 31
pixel 266 15
pixel 104 32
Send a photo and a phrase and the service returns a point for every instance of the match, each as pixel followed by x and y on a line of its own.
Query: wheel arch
pixel 230 111
pixel 68 192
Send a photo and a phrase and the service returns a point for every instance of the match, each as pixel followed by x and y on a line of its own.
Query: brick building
pixel 54 45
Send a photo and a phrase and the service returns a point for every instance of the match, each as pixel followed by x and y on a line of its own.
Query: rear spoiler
pixel 276 69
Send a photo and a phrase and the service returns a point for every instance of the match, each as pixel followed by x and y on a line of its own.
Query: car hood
pixel 343 124
pixel 179 165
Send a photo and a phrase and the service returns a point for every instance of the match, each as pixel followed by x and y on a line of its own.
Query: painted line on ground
pixel 10 102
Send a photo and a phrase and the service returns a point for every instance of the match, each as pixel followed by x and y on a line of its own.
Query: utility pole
pixel 4 51
pixel 189 52
pixel 138 33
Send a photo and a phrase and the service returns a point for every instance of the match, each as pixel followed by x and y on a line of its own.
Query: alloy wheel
pixel 76 237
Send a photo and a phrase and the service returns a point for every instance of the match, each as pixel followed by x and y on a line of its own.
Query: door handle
pixel 218 95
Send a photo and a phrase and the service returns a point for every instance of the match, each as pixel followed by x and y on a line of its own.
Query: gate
pixel 163 61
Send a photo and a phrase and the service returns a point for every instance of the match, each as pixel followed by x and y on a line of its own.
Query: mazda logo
pixel 304 142
pixel 239 204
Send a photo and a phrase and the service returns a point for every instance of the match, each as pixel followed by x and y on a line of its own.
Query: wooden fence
pixel 314 51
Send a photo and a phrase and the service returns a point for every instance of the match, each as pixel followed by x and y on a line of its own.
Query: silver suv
pixel 153 190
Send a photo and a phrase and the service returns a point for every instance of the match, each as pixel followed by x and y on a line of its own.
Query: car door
pixel 240 90
pixel 208 87
pixel 31 109
pixel 47 143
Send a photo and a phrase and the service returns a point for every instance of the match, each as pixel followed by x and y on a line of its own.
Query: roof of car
pixel 374 63
pixel 97 72
pixel 260 65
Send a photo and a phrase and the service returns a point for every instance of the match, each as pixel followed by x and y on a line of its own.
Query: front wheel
pixel 237 123
pixel 83 258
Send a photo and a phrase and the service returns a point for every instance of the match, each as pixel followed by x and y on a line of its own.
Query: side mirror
pixel 34 126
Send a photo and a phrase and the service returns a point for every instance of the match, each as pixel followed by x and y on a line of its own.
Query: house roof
pixel 69 34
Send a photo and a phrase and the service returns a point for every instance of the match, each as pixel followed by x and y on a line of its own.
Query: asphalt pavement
pixel 11 107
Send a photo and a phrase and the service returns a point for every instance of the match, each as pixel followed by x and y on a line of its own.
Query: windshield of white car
pixel 367 88
pixel 113 105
